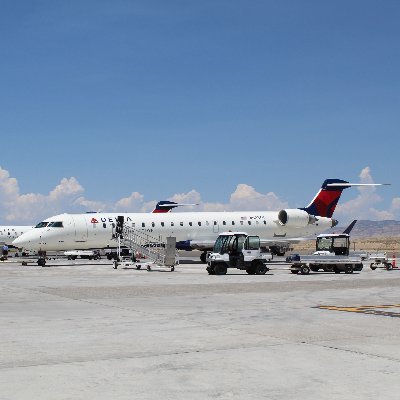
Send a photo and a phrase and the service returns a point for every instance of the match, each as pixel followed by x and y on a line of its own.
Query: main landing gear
pixel 203 257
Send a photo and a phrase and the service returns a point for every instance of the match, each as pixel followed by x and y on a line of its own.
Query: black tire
pixel 261 269
pixel 349 269
pixel 304 269
pixel 251 270
pixel 109 257
pixel 294 271
pixel 389 266
pixel 373 266
pixel 203 257
pixel 314 269
pixel 220 269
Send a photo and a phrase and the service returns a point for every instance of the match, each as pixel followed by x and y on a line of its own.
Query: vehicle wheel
pixel 73 257
pixel 250 270
pixel 109 257
pixel 210 270
pixel 373 266
pixel 203 257
pixel 304 269
pixel 349 269
pixel 172 269
pixel 294 271
pixel 220 269
pixel 314 269
pixel 261 269
pixel 69 257
pixel 389 266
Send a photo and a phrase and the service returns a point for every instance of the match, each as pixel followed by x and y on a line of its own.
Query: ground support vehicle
pixel 380 260
pixel 336 264
pixel 237 250
pixel 85 254
pixel 331 255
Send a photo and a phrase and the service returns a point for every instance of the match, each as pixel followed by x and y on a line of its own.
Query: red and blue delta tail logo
pixel 325 201
pixel 164 206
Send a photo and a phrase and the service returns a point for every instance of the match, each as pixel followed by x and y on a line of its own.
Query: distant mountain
pixel 366 228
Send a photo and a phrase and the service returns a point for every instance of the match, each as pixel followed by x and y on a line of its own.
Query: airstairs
pixel 153 249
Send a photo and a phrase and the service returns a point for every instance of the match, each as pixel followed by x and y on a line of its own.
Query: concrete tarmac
pixel 82 330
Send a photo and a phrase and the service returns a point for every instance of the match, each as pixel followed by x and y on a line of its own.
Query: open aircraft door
pixel 81 229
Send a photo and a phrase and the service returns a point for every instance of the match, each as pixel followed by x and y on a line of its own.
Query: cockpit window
pixel 41 225
pixel 57 224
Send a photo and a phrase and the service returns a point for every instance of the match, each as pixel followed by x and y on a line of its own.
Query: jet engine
pixel 295 218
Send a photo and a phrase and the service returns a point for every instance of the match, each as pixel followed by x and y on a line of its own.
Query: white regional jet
pixel 193 230
pixel 9 233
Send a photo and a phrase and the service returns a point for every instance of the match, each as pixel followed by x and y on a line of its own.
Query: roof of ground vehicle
pixel 233 233
pixel 343 235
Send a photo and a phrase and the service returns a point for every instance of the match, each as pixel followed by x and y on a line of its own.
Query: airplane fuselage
pixel 197 229
pixel 9 233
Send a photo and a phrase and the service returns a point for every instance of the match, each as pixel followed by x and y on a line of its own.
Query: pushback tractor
pixel 332 255
pixel 237 250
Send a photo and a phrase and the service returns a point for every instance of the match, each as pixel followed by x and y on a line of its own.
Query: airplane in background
pixel 8 233
pixel 193 230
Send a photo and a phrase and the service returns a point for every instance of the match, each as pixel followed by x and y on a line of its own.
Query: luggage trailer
pixel 331 255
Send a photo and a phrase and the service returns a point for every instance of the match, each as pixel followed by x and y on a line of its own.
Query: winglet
pixel 350 227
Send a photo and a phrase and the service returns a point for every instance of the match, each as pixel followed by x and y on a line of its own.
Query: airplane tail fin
pixel 324 203
pixel 165 206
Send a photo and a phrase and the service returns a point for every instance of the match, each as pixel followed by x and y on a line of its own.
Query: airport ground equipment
pixel 332 255
pixel 154 249
pixel 380 260
pixel 84 254
pixel 237 250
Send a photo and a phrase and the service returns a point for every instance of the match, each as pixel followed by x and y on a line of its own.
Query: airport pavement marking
pixel 371 310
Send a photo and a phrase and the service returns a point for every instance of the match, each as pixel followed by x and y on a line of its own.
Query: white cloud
pixel 364 206
pixel 67 196
pixel 28 208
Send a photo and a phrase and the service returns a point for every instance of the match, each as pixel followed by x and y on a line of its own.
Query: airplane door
pixel 215 227
pixel 81 229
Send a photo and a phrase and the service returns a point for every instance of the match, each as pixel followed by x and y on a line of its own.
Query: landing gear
pixel 203 257
pixel 41 262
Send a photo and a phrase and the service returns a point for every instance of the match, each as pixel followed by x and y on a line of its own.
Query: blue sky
pixel 166 97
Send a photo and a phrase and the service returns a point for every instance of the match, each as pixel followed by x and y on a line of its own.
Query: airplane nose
pixel 27 241
pixel 19 242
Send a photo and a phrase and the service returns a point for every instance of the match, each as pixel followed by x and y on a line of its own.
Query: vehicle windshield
pixel 324 244
pixel 57 224
pixel 41 225
pixel 225 244
pixel 219 243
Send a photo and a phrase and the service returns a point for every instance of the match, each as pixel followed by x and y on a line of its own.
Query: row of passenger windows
pixel 199 223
